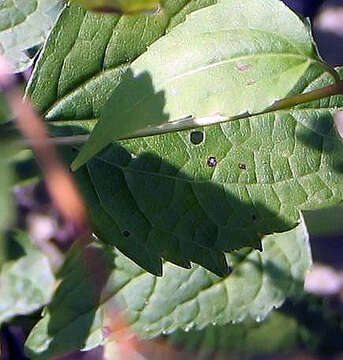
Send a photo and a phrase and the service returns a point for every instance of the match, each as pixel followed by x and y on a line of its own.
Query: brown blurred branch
pixel 60 184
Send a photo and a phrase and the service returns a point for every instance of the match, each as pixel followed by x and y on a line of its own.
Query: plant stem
pixel 186 123
pixel 291 101
pixel 59 141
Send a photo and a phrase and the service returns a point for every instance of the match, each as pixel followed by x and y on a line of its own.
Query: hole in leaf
pixel 197 137
pixel 126 233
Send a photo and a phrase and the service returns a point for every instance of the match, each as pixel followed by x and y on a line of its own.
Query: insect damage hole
pixel 197 137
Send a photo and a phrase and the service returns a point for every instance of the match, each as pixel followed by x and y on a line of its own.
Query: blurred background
pixel 307 328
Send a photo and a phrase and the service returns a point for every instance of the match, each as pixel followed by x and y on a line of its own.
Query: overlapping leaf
pixel 181 298
pixel 157 197
pixel 86 55
pixel 26 280
pixel 24 24
pixel 228 59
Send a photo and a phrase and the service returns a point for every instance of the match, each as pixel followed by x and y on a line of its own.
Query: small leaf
pixel 182 298
pixel 229 59
pixel 23 25
pixel 26 282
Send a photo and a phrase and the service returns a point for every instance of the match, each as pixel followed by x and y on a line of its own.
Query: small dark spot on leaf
pixel 242 166
pixel 253 216
pixel 197 137
pixel 126 233
pixel 212 161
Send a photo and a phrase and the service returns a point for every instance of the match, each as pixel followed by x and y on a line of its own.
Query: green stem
pixel 8 131
pixel 331 70
pixel 291 101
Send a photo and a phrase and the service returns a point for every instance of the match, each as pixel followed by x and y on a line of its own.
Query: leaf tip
pixel 76 164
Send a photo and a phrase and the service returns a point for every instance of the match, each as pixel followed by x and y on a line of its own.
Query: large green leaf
pixel 26 279
pixel 181 298
pixel 226 59
pixel 157 197
pixel 24 24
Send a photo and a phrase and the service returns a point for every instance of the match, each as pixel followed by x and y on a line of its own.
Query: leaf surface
pixel 158 197
pixel 227 60
pixel 23 25
pixel 296 325
pixel 26 280
pixel 7 211
pixel 181 298
pixel 86 55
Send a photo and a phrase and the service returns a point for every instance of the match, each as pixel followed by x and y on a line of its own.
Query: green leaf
pixel 5 113
pixel 7 210
pixel 26 280
pixel 180 299
pixel 298 324
pixel 23 25
pixel 278 333
pixel 227 60
pixel 157 197
pixel 161 191
pixel 86 55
